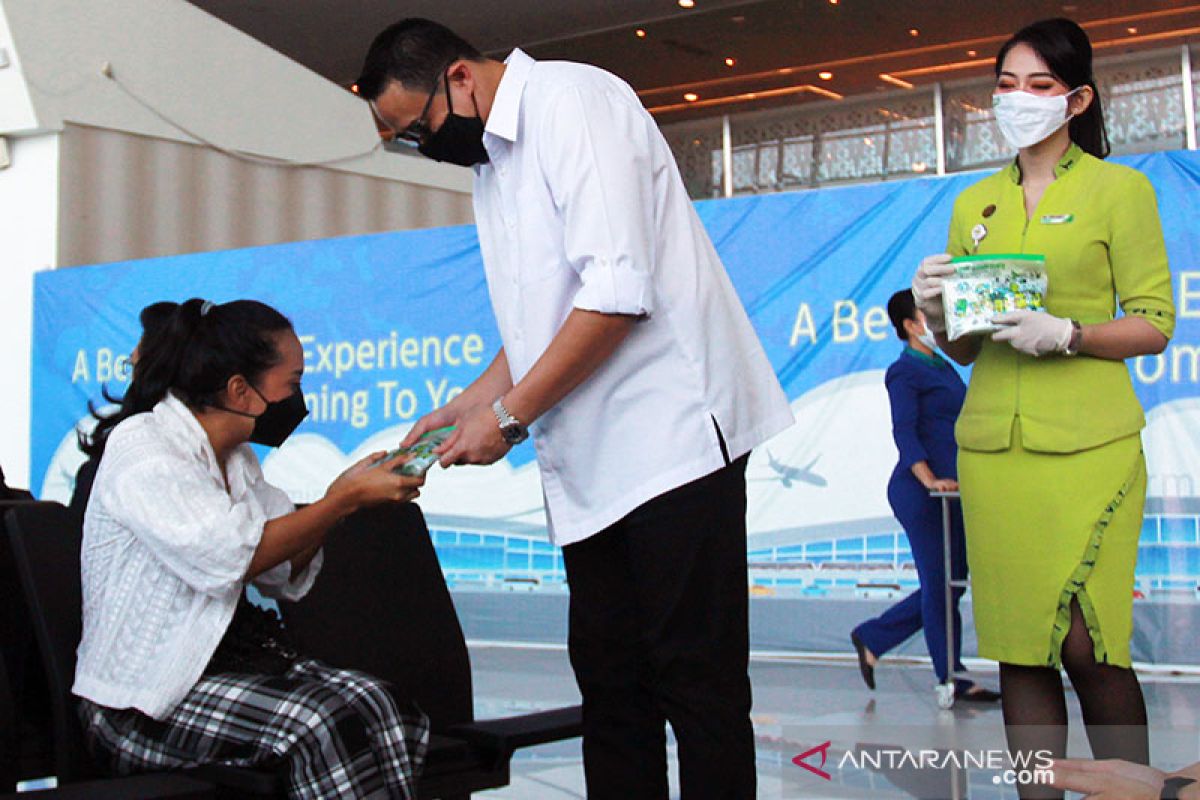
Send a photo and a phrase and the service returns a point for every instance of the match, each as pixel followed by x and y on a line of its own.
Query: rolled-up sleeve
pixel 597 161
pixel 1138 256
pixel 279 582
pixel 182 515
pixel 906 409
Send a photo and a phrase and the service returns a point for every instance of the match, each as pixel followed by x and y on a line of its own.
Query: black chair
pixel 25 743
pixel 381 605
pixel 45 541
pixel 8 734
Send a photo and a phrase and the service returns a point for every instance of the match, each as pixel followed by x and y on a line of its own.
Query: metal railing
pixel 1149 104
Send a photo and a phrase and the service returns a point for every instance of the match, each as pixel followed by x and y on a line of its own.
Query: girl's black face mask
pixel 459 140
pixel 274 425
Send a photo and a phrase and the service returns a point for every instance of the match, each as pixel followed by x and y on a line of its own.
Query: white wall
pixel 175 72
pixel 28 242
pixel 16 106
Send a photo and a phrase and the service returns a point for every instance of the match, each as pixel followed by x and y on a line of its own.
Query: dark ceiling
pixel 777 46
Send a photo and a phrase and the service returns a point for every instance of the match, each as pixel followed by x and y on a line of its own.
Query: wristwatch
pixel 1076 339
pixel 510 427
pixel 1171 787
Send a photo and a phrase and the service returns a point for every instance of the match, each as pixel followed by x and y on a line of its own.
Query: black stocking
pixel 1035 710
pixel 1109 696
pixel 1035 718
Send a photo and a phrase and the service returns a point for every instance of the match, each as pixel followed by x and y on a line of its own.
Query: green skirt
pixel 1043 528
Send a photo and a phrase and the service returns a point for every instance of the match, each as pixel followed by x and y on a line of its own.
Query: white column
pixel 1189 96
pixel 726 156
pixel 939 129
pixel 28 244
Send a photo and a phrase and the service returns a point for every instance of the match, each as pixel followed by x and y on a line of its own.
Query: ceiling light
pixel 972 53
pixel 913 32
pixel 354 88
pixel 1131 29
pixel 833 2
pixel 894 81
pixel 687 3
pixel 825 76
pixel 691 97
pixel 640 33
pixel 823 92
pixel 730 61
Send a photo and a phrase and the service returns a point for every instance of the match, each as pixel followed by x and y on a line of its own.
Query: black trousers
pixel 659 632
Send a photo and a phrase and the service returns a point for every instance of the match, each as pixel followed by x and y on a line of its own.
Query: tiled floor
pixel 800 705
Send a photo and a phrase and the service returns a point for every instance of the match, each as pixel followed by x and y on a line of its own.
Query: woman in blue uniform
pixel 926 395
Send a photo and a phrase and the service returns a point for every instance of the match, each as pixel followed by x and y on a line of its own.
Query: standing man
pixel 627 352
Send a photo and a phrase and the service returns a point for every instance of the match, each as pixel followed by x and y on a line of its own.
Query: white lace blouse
pixel 165 553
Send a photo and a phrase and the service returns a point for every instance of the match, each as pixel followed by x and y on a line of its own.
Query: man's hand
pixel 1112 779
pixel 438 418
pixel 476 440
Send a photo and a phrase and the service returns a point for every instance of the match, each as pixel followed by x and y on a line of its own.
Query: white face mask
pixel 928 340
pixel 1026 119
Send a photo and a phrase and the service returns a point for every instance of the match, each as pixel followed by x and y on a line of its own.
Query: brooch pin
pixel 978 234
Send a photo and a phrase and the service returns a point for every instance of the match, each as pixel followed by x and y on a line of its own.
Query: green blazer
pixel 1098 227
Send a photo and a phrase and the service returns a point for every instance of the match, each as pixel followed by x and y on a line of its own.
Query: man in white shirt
pixel 628 354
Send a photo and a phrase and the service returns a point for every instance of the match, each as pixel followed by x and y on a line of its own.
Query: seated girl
pixel 175 668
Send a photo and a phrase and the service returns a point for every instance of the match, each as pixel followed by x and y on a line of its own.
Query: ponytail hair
pixel 199 348
pixel 1065 48
pixel 154 319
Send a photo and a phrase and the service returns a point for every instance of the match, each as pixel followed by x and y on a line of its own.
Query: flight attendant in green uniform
pixel 1050 465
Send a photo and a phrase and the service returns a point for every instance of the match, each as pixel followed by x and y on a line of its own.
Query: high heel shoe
pixel 868 671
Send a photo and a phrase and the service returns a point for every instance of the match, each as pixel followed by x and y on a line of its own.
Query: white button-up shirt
pixel 581 206
pixel 165 551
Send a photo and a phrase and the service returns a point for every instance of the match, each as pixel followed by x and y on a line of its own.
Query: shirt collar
pixel 1069 159
pixel 506 105
pixel 932 360
pixel 181 425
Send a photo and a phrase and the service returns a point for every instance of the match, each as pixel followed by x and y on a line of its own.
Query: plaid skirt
pixel 332 732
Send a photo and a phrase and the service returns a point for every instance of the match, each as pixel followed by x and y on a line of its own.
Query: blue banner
pixel 393 325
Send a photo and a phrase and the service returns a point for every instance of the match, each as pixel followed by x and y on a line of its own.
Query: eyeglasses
pixel 418 130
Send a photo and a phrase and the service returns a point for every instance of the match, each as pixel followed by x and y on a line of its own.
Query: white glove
pixel 1034 332
pixel 927 289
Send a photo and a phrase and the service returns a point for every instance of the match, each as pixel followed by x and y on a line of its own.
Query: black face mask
pixel 274 425
pixel 459 140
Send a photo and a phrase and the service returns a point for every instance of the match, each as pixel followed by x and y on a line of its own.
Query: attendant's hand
pixel 1035 333
pixel 927 289
pixel 438 418
pixel 476 440
pixel 372 481
pixel 942 485
pixel 1108 780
